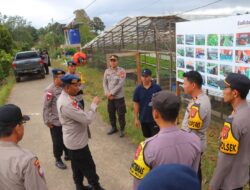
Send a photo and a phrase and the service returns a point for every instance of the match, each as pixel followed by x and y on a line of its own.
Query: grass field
pixel 93 87
pixel 5 89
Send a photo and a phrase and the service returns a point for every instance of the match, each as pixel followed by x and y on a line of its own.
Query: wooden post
pixel 138 65
pixel 178 94
pixel 157 68
pixel 171 70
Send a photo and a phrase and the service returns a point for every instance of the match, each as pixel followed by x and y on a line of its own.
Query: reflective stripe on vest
pixel 139 168
pixel 194 120
pixel 228 143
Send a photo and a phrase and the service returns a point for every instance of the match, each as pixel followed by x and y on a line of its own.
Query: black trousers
pixel 82 164
pixel 46 67
pixel 119 106
pixel 199 172
pixel 57 140
pixel 149 129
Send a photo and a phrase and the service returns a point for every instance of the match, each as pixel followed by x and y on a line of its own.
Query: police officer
pixel 198 113
pixel 19 168
pixel 75 122
pixel 232 170
pixel 170 145
pixel 113 84
pixel 142 99
pixel 45 59
pixel 72 70
pixel 51 119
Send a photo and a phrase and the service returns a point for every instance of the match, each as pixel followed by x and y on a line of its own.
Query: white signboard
pixel 213 47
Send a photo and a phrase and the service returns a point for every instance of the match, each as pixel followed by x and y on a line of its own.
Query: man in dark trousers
pixel 51 119
pixel 75 124
pixel 113 84
pixel 142 104
pixel 232 169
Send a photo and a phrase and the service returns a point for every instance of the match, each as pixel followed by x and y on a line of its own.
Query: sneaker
pixel 60 165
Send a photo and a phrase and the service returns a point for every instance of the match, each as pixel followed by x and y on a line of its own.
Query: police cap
pixel 113 57
pixel 11 115
pixel 71 63
pixel 235 81
pixel 146 72
pixel 70 79
pixel 58 71
pixel 170 176
pixel 164 100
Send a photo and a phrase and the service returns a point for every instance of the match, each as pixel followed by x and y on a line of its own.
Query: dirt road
pixel 111 154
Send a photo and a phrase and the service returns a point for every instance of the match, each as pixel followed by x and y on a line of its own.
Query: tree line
pixel 18 34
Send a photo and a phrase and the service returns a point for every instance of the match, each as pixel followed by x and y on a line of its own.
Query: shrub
pixel 5 64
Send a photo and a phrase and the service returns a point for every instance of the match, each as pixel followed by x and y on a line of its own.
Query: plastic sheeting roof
pixel 135 32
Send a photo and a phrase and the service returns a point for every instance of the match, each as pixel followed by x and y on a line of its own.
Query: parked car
pixel 28 63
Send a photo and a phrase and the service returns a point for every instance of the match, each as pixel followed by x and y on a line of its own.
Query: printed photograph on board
pixel 226 40
pixel 212 54
pixel 243 39
pixel 180 63
pixel 225 70
pixel 242 56
pixel 189 52
pixel 212 82
pixel 180 39
pixel 226 55
pixel 180 74
pixel 243 71
pixel 200 66
pixel 212 68
pixel 212 40
pixel 200 53
pixel 189 39
pixel 189 64
pixel 200 39
pixel 203 79
pixel 180 51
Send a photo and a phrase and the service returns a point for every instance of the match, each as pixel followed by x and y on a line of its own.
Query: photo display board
pixel 214 47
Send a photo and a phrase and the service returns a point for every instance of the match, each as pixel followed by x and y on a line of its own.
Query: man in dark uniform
pixel 75 124
pixel 142 107
pixel 170 145
pixel 232 170
pixel 19 168
pixel 113 84
pixel 51 119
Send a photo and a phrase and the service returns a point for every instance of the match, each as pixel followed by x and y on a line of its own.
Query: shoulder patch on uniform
pixel 39 169
pixel 122 74
pixel 49 95
pixel 138 151
pixel 75 105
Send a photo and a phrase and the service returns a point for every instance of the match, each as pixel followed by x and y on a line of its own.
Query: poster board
pixel 214 47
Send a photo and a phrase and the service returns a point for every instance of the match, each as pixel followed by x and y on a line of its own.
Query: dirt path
pixel 111 154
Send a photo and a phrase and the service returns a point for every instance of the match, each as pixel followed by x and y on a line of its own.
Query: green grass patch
pixel 5 88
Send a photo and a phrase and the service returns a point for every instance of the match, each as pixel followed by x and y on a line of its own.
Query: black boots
pixel 112 131
pixel 89 187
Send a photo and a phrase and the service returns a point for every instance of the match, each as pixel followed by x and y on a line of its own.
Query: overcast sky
pixel 41 12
